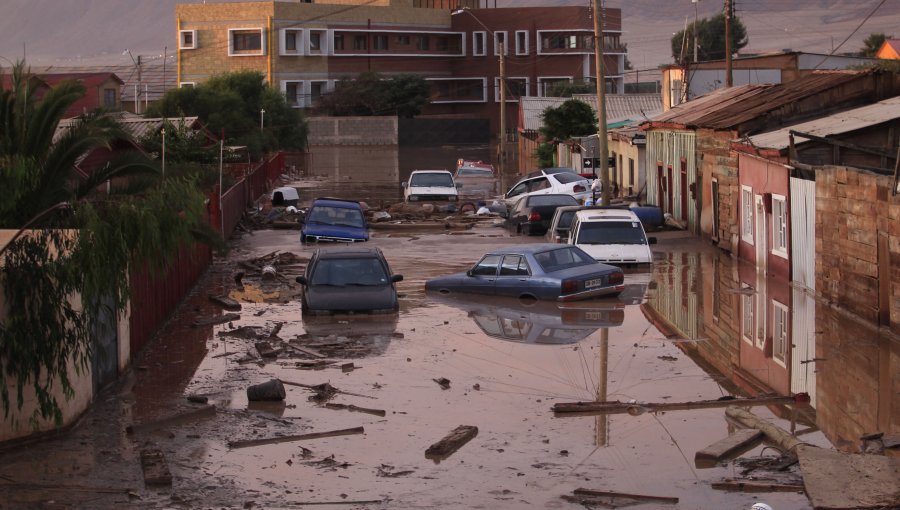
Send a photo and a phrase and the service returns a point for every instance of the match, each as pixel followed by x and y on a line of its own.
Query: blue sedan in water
pixel 331 219
pixel 538 271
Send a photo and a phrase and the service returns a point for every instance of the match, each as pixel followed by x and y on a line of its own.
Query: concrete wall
pixel 858 243
pixel 352 130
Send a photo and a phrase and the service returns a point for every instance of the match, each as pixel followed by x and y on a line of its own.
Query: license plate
pixel 596 282
pixel 594 316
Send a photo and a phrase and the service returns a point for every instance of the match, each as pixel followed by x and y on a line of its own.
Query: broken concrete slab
pixel 838 480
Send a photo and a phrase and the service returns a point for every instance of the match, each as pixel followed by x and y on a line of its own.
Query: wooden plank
pixel 451 442
pixel 174 419
pixel 632 408
pixel 728 447
pixel 611 494
pixel 299 437
pixel 218 319
pixel 306 350
pixel 754 486
pixel 351 407
pixel 156 470
pixel 838 480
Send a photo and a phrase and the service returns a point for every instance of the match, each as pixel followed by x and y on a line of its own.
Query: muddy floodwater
pixel 698 325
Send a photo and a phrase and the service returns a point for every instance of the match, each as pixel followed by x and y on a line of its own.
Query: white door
pixel 761 235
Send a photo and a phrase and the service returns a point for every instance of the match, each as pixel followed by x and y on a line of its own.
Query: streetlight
pixel 163 133
pixel 262 115
pixel 502 139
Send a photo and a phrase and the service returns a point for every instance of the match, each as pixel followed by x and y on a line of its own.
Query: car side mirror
pixel 397 278
pixel 470 273
pixel 302 280
pixel 651 240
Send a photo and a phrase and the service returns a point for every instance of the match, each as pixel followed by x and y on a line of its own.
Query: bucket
pixel 267 391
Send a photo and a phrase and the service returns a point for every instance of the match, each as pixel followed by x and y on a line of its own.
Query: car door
pixel 514 276
pixel 483 275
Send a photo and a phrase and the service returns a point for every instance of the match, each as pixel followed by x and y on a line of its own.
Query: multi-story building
pixel 304 48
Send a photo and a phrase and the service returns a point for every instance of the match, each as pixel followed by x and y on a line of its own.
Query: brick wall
pixel 858 243
pixel 718 161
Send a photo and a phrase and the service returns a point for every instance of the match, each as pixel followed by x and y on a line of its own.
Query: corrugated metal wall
pixel 669 147
pixel 803 232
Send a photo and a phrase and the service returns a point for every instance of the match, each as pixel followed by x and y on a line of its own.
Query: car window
pixel 514 265
pixel 565 219
pixel 538 184
pixel 520 188
pixel 567 177
pixel 469 171
pixel 431 179
pixel 351 271
pixel 611 232
pixel 562 258
pixel 339 216
pixel 487 266
pixel 539 200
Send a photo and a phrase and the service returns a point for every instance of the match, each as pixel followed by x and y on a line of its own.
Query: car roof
pixel 607 215
pixel 344 252
pixel 549 171
pixel 337 202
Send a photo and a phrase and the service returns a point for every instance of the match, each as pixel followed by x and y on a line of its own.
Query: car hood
pixel 350 298
pixel 324 230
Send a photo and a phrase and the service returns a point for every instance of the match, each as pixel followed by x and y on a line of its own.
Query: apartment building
pixel 305 48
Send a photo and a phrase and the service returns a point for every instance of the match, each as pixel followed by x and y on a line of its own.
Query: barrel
pixel 651 216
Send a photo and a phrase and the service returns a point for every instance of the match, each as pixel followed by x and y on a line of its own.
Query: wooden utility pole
pixel 502 160
pixel 728 80
pixel 602 143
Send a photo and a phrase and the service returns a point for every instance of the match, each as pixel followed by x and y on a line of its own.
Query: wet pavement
pixel 697 326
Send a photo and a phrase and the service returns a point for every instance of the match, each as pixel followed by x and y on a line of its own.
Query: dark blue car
pixel 331 219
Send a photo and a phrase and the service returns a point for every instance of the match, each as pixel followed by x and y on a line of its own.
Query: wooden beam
pixel 754 486
pixel 299 437
pixel 451 442
pixel 611 494
pixel 635 408
pixel 728 447
pixel 774 434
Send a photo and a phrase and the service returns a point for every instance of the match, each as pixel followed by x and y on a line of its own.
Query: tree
pixel 873 43
pixel 570 119
pixel 232 102
pixel 73 261
pixel 368 94
pixel 567 88
pixel 545 154
pixel 710 34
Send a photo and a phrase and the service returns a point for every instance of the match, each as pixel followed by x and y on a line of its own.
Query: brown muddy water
pixel 697 326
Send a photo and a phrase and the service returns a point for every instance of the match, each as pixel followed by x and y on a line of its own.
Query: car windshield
pixel 567 177
pixel 539 200
pixel 432 180
pixel 611 232
pixel 366 272
pixel 338 216
pixel 563 258
pixel 474 172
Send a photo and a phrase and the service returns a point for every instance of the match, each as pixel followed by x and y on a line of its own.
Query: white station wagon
pixel 611 236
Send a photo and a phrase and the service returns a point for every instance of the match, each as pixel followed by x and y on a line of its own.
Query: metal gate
pixel 803 232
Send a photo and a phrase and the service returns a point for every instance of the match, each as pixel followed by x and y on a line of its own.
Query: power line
pixel 851 33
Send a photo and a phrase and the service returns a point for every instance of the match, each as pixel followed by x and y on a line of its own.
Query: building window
pixel 360 42
pixel 380 42
pixel 403 40
pixel 500 38
pixel 748 314
pixel 291 41
pixel 293 93
pixel 442 43
pixel 478 43
pixel 245 41
pixel 316 89
pixel 109 98
pixel 747 214
pixel 547 85
pixel 338 41
pixel 186 85
pixel 779 333
pixel 458 90
pixel 515 88
pixel 521 42
pixel 187 40
pixel 422 42
pixel 779 226
pixel 315 40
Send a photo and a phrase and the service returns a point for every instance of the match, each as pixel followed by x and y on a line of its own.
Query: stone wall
pixel 718 161
pixel 858 243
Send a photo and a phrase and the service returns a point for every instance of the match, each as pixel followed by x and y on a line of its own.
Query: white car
pixel 550 180
pixel 430 185
pixel 611 236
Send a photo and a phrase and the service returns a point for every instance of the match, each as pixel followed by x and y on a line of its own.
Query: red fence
pixel 155 294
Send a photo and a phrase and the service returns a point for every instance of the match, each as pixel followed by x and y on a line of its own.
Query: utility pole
pixel 602 143
pixel 137 93
pixel 728 80
pixel 502 160
pixel 695 29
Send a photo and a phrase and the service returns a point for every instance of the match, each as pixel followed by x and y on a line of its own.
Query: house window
pixel 521 42
pixel 779 332
pixel 315 40
pixel 747 214
pixel 109 98
pixel 748 314
pixel 500 39
pixel 316 89
pixel 290 40
pixel 422 42
pixel 293 93
pixel 381 42
pixel 245 41
pixel 478 44
pixel 187 40
pixel 779 226
pixel 403 40
pixel 360 42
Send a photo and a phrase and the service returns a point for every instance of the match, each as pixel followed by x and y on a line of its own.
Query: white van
pixel 430 185
pixel 611 236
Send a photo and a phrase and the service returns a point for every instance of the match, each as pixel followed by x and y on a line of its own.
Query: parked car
pixel 475 179
pixel 348 280
pixel 331 219
pixel 285 196
pixel 532 214
pixel 536 271
pixel 550 180
pixel 613 236
pixel 558 231
pixel 430 185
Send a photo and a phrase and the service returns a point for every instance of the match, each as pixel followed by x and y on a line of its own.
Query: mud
pixel 680 332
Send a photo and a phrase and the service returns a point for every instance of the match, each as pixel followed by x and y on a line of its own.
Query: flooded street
pixel 697 326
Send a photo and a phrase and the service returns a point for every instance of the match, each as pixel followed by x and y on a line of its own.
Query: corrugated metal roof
pixel 156 77
pixel 728 108
pixel 620 108
pixel 136 125
pixel 838 123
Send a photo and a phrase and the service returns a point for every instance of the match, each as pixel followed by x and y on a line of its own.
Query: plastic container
pixel 651 216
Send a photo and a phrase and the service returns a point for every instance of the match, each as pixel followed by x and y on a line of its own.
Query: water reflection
pixel 349 336
pixel 759 335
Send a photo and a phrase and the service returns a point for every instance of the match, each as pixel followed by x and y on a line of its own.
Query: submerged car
pixel 535 271
pixel 613 236
pixel 476 179
pixel 532 214
pixel 558 232
pixel 348 280
pixel 550 180
pixel 330 219
pixel 430 185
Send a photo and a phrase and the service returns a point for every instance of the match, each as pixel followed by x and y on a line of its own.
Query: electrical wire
pixel 851 33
